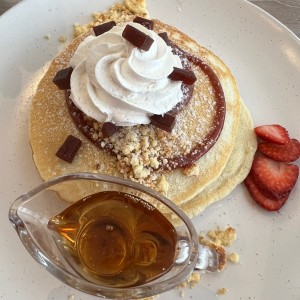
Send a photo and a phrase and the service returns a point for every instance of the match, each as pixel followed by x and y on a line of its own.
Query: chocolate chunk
pixel 108 129
pixel 149 24
pixel 165 122
pixel 137 38
pixel 165 37
pixel 62 78
pixel 187 77
pixel 100 29
pixel 69 148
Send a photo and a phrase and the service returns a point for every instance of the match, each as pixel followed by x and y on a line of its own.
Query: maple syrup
pixel 115 239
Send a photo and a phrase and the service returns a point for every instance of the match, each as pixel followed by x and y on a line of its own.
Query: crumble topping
pixel 218 239
pixel 163 185
pixel 141 149
pixel 191 282
pixel 222 291
pixel 218 248
pixel 120 12
pixel 223 237
pixel 234 257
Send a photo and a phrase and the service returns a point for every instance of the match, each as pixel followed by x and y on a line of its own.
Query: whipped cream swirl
pixel 113 81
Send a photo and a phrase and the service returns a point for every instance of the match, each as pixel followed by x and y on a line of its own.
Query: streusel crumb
pixel 234 257
pixel 119 12
pixel 192 170
pixel 218 239
pixel 192 281
pixel 222 291
pixel 218 248
pixel 163 185
pixel 223 237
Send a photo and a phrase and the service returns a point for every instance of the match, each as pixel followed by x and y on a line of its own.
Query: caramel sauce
pixel 115 239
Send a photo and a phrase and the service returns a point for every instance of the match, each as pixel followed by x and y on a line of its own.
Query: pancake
pixel 235 171
pixel 193 187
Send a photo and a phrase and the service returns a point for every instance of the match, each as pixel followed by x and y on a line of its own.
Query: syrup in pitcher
pixel 115 239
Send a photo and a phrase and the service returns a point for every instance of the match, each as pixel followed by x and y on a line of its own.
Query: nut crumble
pixel 119 12
pixel 222 291
pixel 217 240
pixel 223 237
pixel 234 257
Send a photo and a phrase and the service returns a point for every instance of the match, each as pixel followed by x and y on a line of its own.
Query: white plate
pixel 265 58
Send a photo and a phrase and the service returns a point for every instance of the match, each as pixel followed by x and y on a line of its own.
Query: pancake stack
pixel 195 180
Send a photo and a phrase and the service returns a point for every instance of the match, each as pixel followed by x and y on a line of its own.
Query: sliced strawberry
pixel 298 146
pixel 274 179
pixel 261 199
pixel 273 133
pixel 285 153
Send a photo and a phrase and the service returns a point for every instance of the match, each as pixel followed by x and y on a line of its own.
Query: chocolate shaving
pixel 69 148
pixel 186 76
pixel 108 129
pixel 100 29
pixel 165 122
pixel 149 24
pixel 138 38
pixel 62 78
pixel 165 37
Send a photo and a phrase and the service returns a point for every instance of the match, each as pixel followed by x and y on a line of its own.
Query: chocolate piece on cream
pixel 149 24
pixel 69 148
pixel 108 129
pixel 165 37
pixel 138 38
pixel 165 122
pixel 62 78
pixel 100 29
pixel 186 76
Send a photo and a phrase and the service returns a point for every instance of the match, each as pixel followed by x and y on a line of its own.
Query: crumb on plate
pixel 119 12
pixel 222 291
pixel 234 257
pixel 223 237
pixel 62 39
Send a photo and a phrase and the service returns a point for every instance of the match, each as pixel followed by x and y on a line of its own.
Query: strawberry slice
pixel 273 133
pixel 274 179
pixel 261 199
pixel 284 153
